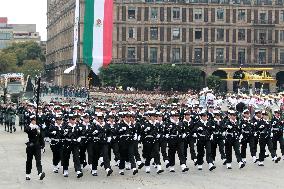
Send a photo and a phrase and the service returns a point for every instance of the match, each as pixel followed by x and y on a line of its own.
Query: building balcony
pixel 264 42
pixel 263 23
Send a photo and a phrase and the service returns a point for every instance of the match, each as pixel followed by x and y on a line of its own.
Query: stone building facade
pixel 205 33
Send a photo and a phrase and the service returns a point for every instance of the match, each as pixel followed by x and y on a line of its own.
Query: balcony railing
pixel 264 42
pixel 264 22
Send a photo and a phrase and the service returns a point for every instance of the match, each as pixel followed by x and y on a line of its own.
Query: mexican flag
pixel 98 28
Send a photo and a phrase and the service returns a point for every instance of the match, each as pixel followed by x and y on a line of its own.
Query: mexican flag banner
pixel 98 28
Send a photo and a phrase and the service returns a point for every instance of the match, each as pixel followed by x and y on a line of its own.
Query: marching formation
pixel 98 132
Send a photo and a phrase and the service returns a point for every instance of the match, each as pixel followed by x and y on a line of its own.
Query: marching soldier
pixel 188 126
pixel 150 136
pixel 55 134
pixel 33 148
pixel 247 136
pixel 256 123
pixel 98 145
pixel 204 138
pixel 137 127
pixel 127 135
pixel 21 112
pixel 162 140
pixel 277 131
pixel 232 137
pixel 11 118
pixel 265 135
pixel 217 128
pixel 111 126
pixel 83 126
pixel 176 137
pixel 71 145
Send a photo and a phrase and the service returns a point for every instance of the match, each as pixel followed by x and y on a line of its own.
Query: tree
pixel 26 57
pixel 33 51
pixel 8 62
pixel 150 77
pixel 25 51
pixel 32 67
pixel 214 82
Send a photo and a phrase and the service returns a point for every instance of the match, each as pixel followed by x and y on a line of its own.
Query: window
pixel 219 55
pixel 176 13
pixel 281 56
pixel 198 14
pixel 262 56
pixel 154 33
pixel 176 55
pixel 279 2
pixel 131 55
pixel 198 34
pixel 282 15
pixel 262 17
pixel 131 13
pixel 241 56
pixel 153 55
pixel 220 34
pixel 154 13
pixel 131 33
pixel 241 15
pixel 5 36
pixel 281 35
pixel 198 55
pixel 176 34
pixel 220 14
pixel 242 35
pixel 262 37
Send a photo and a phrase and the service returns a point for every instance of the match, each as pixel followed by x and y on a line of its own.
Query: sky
pixel 26 12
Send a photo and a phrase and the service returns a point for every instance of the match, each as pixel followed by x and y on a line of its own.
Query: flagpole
pixel 79 46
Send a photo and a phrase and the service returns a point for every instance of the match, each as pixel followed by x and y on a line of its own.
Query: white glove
pixel 241 137
pixel 95 132
pixel 271 135
pixel 200 128
pixel 211 138
pixel 53 132
pixel 65 131
pixel 194 135
pixel 43 126
pixel 73 130
pixel 255 134
pixel 80 128
pixel 167 135
pixel 147 129
pixel 123 128
pixel 230 127
pixel 158 135
pixel 224 134
pixel 108 139
pixel 139 138
pixel 183 135
pixel 79 139
pixel 135 137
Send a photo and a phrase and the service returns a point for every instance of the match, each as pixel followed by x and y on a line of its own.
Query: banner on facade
pixel 76 38
pixel 98 28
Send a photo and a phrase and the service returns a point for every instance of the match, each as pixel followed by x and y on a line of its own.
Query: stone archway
pixel 280 80
pixel 223 75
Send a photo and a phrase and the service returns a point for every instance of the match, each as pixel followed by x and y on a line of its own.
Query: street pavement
pixel 12 174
